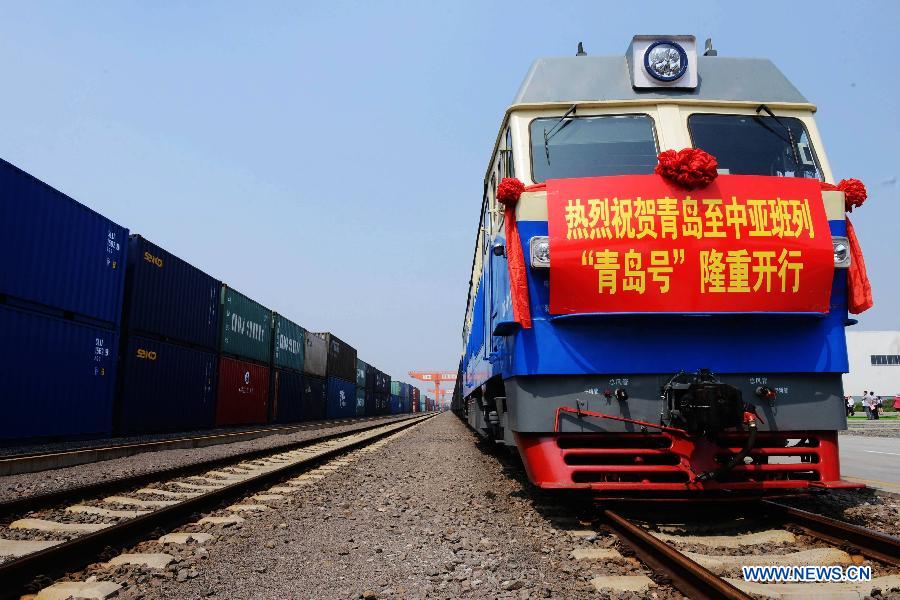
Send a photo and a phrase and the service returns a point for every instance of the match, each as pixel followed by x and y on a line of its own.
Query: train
pixel 105 333
pixel 659 287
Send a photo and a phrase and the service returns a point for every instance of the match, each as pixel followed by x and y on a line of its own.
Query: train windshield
pixel 592 146
pixel 756 145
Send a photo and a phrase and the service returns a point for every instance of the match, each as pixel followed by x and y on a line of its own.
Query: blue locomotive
pixel 688 393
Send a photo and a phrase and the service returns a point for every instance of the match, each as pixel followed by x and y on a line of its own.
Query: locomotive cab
pixel 629 395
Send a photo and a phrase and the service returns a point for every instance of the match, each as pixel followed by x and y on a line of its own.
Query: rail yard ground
pixel 429 512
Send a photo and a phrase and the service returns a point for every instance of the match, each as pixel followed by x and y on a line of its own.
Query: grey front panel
pixel 805 401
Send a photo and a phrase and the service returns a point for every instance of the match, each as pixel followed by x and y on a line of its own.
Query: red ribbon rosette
pixel 508 193
pixel 690 168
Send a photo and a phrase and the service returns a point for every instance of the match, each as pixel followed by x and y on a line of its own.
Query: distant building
pixel 874 363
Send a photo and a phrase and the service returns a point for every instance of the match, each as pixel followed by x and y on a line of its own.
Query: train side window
pixel 508 153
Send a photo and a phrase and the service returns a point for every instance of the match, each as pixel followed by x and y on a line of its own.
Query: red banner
pixel 637 243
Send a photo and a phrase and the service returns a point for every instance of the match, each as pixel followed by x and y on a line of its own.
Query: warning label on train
pixel 637 243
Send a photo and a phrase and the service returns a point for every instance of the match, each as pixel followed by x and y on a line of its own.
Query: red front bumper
pixel 665 462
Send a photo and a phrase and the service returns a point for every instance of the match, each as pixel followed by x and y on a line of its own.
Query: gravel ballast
pixel 429 514
pixel 28 484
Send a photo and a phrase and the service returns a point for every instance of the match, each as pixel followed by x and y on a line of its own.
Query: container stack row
pixel 102 333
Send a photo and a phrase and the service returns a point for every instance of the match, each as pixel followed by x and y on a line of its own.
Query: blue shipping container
pixel 165 387
pixel 287 396
pixel 58 376
pixel 168 298
pixel 58 255
pixel 341 399
pixel 396 405
pixel 360 402
pixel 314 398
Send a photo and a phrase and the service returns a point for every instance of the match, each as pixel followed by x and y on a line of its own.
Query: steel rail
pixel 81 551
pixel 200 439
pixel 873 544
pixel 689 577
pixel 48 499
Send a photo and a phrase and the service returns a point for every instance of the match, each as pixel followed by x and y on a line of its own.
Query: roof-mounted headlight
pixel 665 60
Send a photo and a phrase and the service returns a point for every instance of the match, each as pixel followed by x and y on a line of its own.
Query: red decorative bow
pixel 508 193
pixel 690 168
pixel 859 297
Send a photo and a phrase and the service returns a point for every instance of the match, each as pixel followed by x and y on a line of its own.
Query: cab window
pixel 756 145
pixel 592 146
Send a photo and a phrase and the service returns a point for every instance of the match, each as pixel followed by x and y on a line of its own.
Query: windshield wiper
pixel 548 135
pixel 789 140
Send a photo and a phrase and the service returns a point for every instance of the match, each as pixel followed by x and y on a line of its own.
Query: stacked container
pixel 315 360
pixel 61 291
pixel 167 378
pixel 415 398
pixel 340 370
pixel 288 350
pixel 362 369
pixel 246 351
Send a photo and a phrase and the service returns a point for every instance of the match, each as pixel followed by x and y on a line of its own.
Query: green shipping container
pixel 360 373
pixel 246 327
pixel 289 344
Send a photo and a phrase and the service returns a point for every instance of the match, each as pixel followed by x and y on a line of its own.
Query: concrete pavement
pixel 874 461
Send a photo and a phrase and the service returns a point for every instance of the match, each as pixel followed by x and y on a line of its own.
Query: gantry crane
pixel 435 377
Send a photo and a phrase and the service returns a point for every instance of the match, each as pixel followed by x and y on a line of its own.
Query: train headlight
pixel 841 252
pixel 540 252
pixel 665 60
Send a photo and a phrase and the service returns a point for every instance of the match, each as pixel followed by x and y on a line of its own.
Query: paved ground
pixel 874 461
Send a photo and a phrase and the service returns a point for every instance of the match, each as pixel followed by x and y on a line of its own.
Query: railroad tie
pixel 721 564
pixel 88 590
pixel 55 527
pixel 771 536
pixel 127 501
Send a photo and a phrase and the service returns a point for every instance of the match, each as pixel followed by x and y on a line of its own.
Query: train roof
pixel 608 78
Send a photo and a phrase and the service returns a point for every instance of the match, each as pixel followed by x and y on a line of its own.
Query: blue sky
pixel 326 158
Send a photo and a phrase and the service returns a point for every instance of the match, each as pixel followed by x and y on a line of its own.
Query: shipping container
pixel 361 369
pixel 370 377
pixel 341 362
pixel 340 399
pixel 360 402
pixel 165 387
pixel 314 398
pixel 287 396
pixel 382 383
pixel 396 388
pixel 243 392
pixel 315 357
pixel 289 344
pixel 168 298
pixel 382 403
pixel 246 327
pixel 59 376
pixel 415 396
pixel 396 405
pixel 406 407
pixel 371 403
pixel 59 256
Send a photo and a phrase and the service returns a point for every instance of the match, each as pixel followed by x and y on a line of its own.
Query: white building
pixel 874 363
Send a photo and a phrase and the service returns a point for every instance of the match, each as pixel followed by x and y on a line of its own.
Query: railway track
pixel 82 531
pixel 710 575
pixel 30 462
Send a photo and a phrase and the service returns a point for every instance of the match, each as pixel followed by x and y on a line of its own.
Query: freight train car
pixel 637 324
